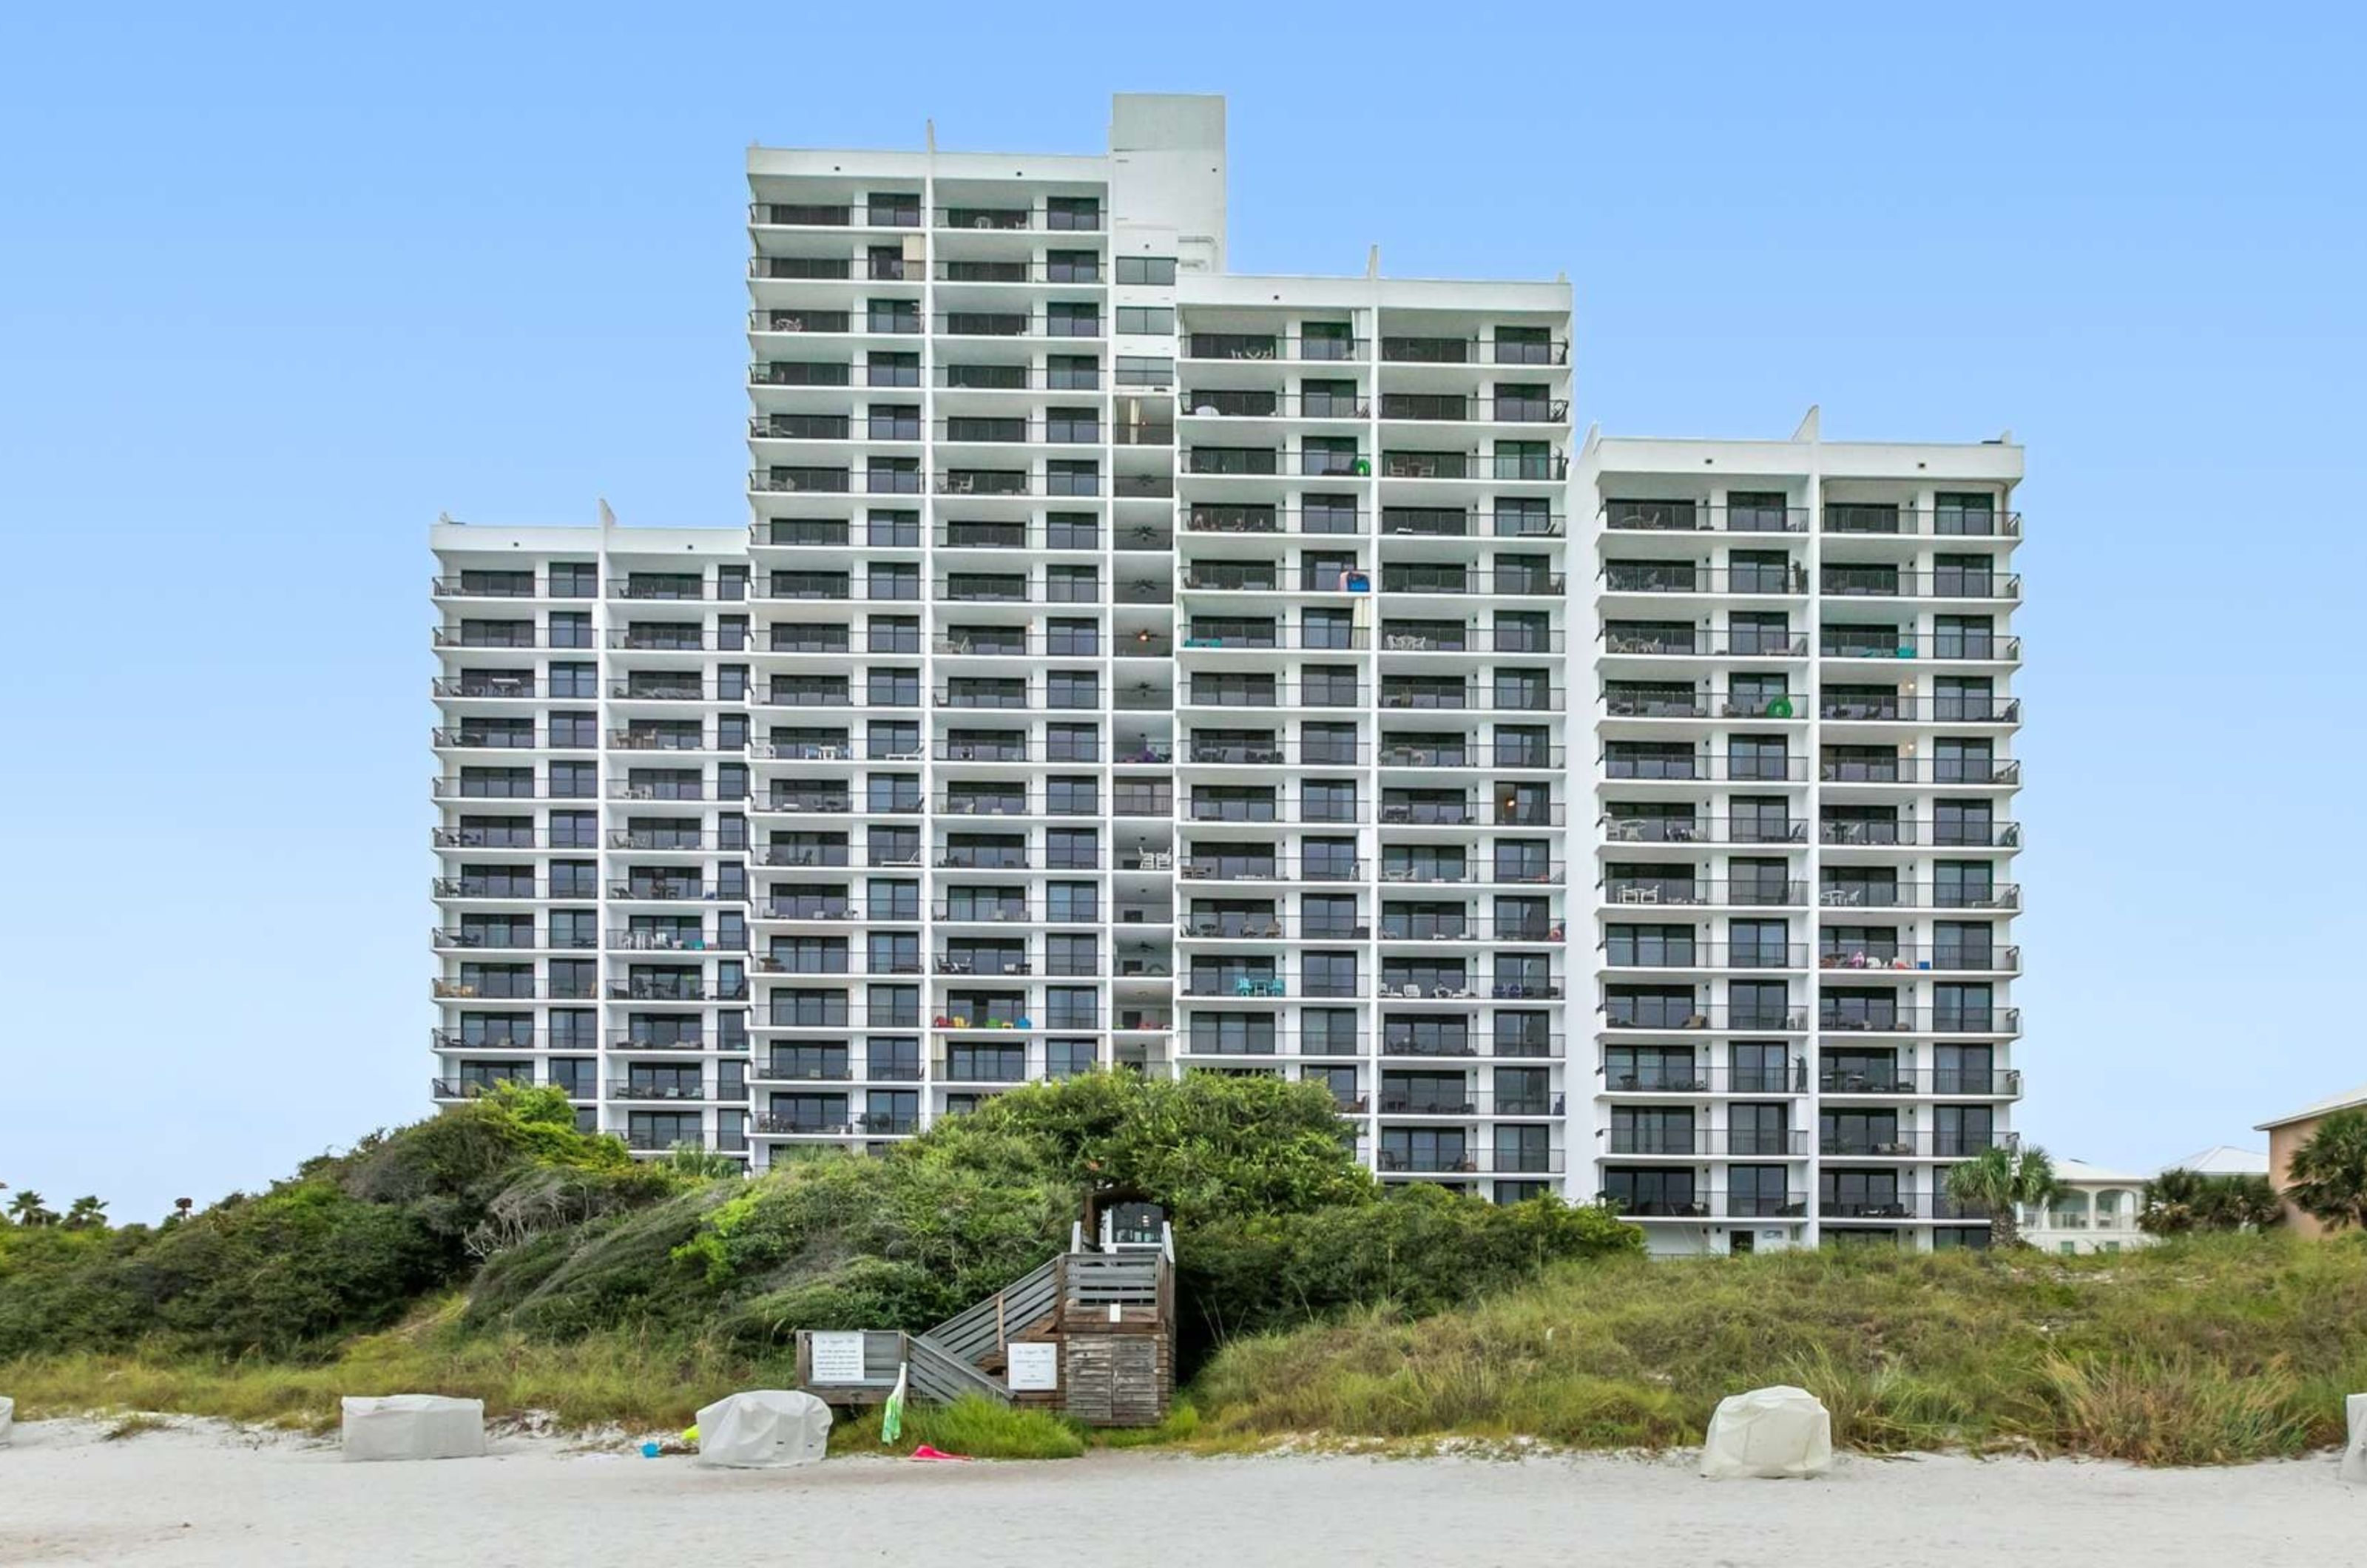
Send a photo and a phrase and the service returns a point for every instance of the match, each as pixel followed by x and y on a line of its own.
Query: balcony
pixel 647 1090
pixel 1944 521
pixel 1970 1083
pixel 1721 1143
pixel 1642 765
pixel 1702 956
pixel 1919 895
pixel 1683 892
pixel 1664 1077
pixel 1254 346
pixel 1691 642
pixel 1697 516
pixel 1859 1019
pixel 1523 349
pixel 1684 577
pixel 1908 1143
pixel 1895 956
pixel 780 214
pixel 1909 707
pixel 1647 1016
pixel 1908 832
pixel 1905 582
pixel 1468 1162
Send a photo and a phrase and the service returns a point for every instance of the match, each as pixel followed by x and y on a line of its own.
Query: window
pixel 1146 321
pixel 574 580
pixel 1064 319
pixel 1146 269
pixel 1072 372
pixel 1648 1191
pixel 1137 370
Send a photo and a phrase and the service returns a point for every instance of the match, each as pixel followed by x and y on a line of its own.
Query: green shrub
pixel 1419 1248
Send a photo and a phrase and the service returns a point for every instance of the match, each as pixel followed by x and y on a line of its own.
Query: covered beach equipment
pixel 414 1425
pixel 1779 1432
pixel 764 1428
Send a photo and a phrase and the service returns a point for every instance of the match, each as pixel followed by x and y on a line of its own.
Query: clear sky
pixel 277 289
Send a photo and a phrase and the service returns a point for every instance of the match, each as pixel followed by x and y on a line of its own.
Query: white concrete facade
pixel 1802 686
pixel 1131 664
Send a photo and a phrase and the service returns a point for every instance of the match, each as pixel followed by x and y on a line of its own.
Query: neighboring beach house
pixel 2288 1133
pixel 2096 1212
pixel 2097 1209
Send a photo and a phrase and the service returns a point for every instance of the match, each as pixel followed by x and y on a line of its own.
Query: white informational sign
pixel 837 1358
pixel 1035 1368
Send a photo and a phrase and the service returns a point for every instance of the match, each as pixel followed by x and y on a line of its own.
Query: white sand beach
pixel 199 1492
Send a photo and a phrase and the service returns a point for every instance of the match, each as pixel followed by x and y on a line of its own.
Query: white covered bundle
pixel 414 1426
pixel 1769 1432
pixel 2354 1453
pixel 763 1428
pixel 7 1418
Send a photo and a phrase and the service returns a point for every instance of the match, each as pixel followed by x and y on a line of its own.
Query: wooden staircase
pixel 1111 1312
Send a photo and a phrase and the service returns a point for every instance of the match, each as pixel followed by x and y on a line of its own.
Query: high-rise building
pixel 1802 689
pixel 1127 664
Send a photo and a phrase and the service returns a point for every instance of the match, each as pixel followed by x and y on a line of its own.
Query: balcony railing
pixel 1988 1021
pixel 1695 516
pixel 1920 770
pixel 1905 583
pixel 1682 576
pixel 1944 521
pixel 1973 1083
pixel 1908 1143
pixel 1701 766
pixel 1919 895
pixel 1719 1142
pixel 1696 643
pixel 1658 892
pixel 1704 955
pixel 1623 1014
pixel 1893 956
pixel 1908 707
pixel 1912 833
pixel 1705 1079
pixel 1469 1162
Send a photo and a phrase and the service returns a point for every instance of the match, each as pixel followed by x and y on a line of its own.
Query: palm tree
pixel 86 1213
pixel 2000 1178
pixel 26 1209
pixel 2327 1175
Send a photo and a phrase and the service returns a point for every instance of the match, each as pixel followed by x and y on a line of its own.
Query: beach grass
pixel 2215 1351
pixel 2211 1351
pixel 640 1381
pixel 976 1428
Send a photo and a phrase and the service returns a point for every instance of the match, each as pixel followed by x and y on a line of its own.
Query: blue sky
pixel 276 289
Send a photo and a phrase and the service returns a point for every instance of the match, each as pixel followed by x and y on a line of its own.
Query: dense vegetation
pixel 553 1236
pixel 495 1251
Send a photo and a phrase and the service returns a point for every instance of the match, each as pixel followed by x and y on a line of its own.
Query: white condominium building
pixel 1802 685
pixel 1131 664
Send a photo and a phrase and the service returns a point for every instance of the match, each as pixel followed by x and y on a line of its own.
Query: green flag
pixel 891 1416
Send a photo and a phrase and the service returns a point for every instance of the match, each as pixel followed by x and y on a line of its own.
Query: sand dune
pixel 199 1492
